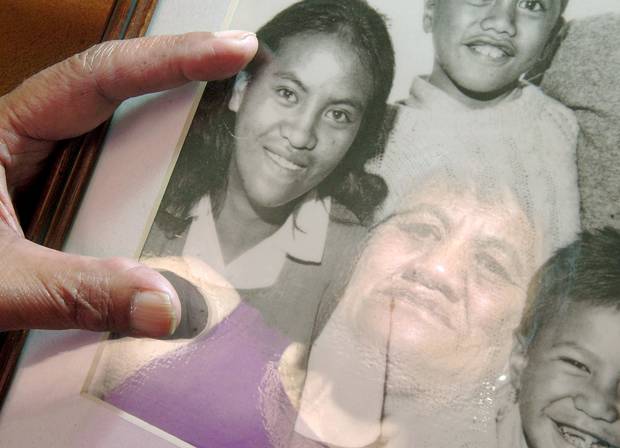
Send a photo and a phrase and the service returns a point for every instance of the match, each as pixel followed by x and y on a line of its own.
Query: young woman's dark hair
pixel 210 140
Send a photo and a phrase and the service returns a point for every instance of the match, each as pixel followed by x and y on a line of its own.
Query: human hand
pixel 43 288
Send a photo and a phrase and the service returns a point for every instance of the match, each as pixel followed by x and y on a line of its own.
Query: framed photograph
pixel 365 227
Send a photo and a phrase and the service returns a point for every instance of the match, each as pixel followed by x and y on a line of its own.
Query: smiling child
pixel 475 102
pixel 483 47
pixel 566 363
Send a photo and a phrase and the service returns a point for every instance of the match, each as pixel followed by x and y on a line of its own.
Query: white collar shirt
pixel 301 237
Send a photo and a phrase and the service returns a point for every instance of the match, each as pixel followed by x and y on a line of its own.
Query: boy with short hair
pixel 475 105
pixel 565 366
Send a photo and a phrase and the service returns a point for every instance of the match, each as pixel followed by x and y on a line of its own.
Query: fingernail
pixel 234 34
pixel 152 314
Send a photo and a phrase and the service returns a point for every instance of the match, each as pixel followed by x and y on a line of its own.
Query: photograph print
pixel 394 228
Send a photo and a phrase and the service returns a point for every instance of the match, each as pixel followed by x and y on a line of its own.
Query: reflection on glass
pixel 438 291
pixel 262 214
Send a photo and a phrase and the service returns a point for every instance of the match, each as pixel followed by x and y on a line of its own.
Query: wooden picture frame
pixel 70 170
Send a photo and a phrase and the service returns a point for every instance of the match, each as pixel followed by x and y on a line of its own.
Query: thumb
pixel 46 289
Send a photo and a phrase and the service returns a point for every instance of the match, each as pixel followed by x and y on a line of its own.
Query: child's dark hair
pixel 210 141
pixel 537 72
pixel 586 271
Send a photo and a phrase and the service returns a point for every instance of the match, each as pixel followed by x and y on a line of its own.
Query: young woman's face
pixel 297 118
pixel 484 46
pixel 447 276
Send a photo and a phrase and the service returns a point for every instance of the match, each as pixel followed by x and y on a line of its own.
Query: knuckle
pixel 83 300
pixel 92 307
pixel 89 60
pixel 162 43
pixel 81 62
pixel 116 264
pixel 96 66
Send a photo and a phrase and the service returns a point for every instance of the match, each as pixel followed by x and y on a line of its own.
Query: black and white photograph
pixel 397 226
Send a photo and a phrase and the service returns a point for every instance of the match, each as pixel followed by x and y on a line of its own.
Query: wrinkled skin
pixel 42 288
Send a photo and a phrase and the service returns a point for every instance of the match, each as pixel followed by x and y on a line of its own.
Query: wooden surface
pixel 75 159
pixel 37 33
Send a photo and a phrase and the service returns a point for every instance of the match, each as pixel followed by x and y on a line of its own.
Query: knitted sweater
pixel 584 76
pixel 527 143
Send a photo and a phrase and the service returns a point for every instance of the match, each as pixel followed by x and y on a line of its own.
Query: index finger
pixel 79 93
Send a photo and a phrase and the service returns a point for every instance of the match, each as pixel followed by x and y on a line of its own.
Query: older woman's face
pixel 445 278
pixel 298 117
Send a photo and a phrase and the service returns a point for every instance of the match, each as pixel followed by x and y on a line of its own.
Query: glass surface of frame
pixel 354 273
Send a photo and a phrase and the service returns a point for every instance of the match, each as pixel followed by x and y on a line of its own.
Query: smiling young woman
pixel 274 160
pixel 269 190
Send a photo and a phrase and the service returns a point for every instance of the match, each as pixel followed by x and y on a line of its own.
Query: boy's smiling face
pixel 482 47
pixel 570 380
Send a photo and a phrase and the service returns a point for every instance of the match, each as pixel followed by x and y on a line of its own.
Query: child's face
pixel 297 118
pixel 570 384
pixel 482 47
